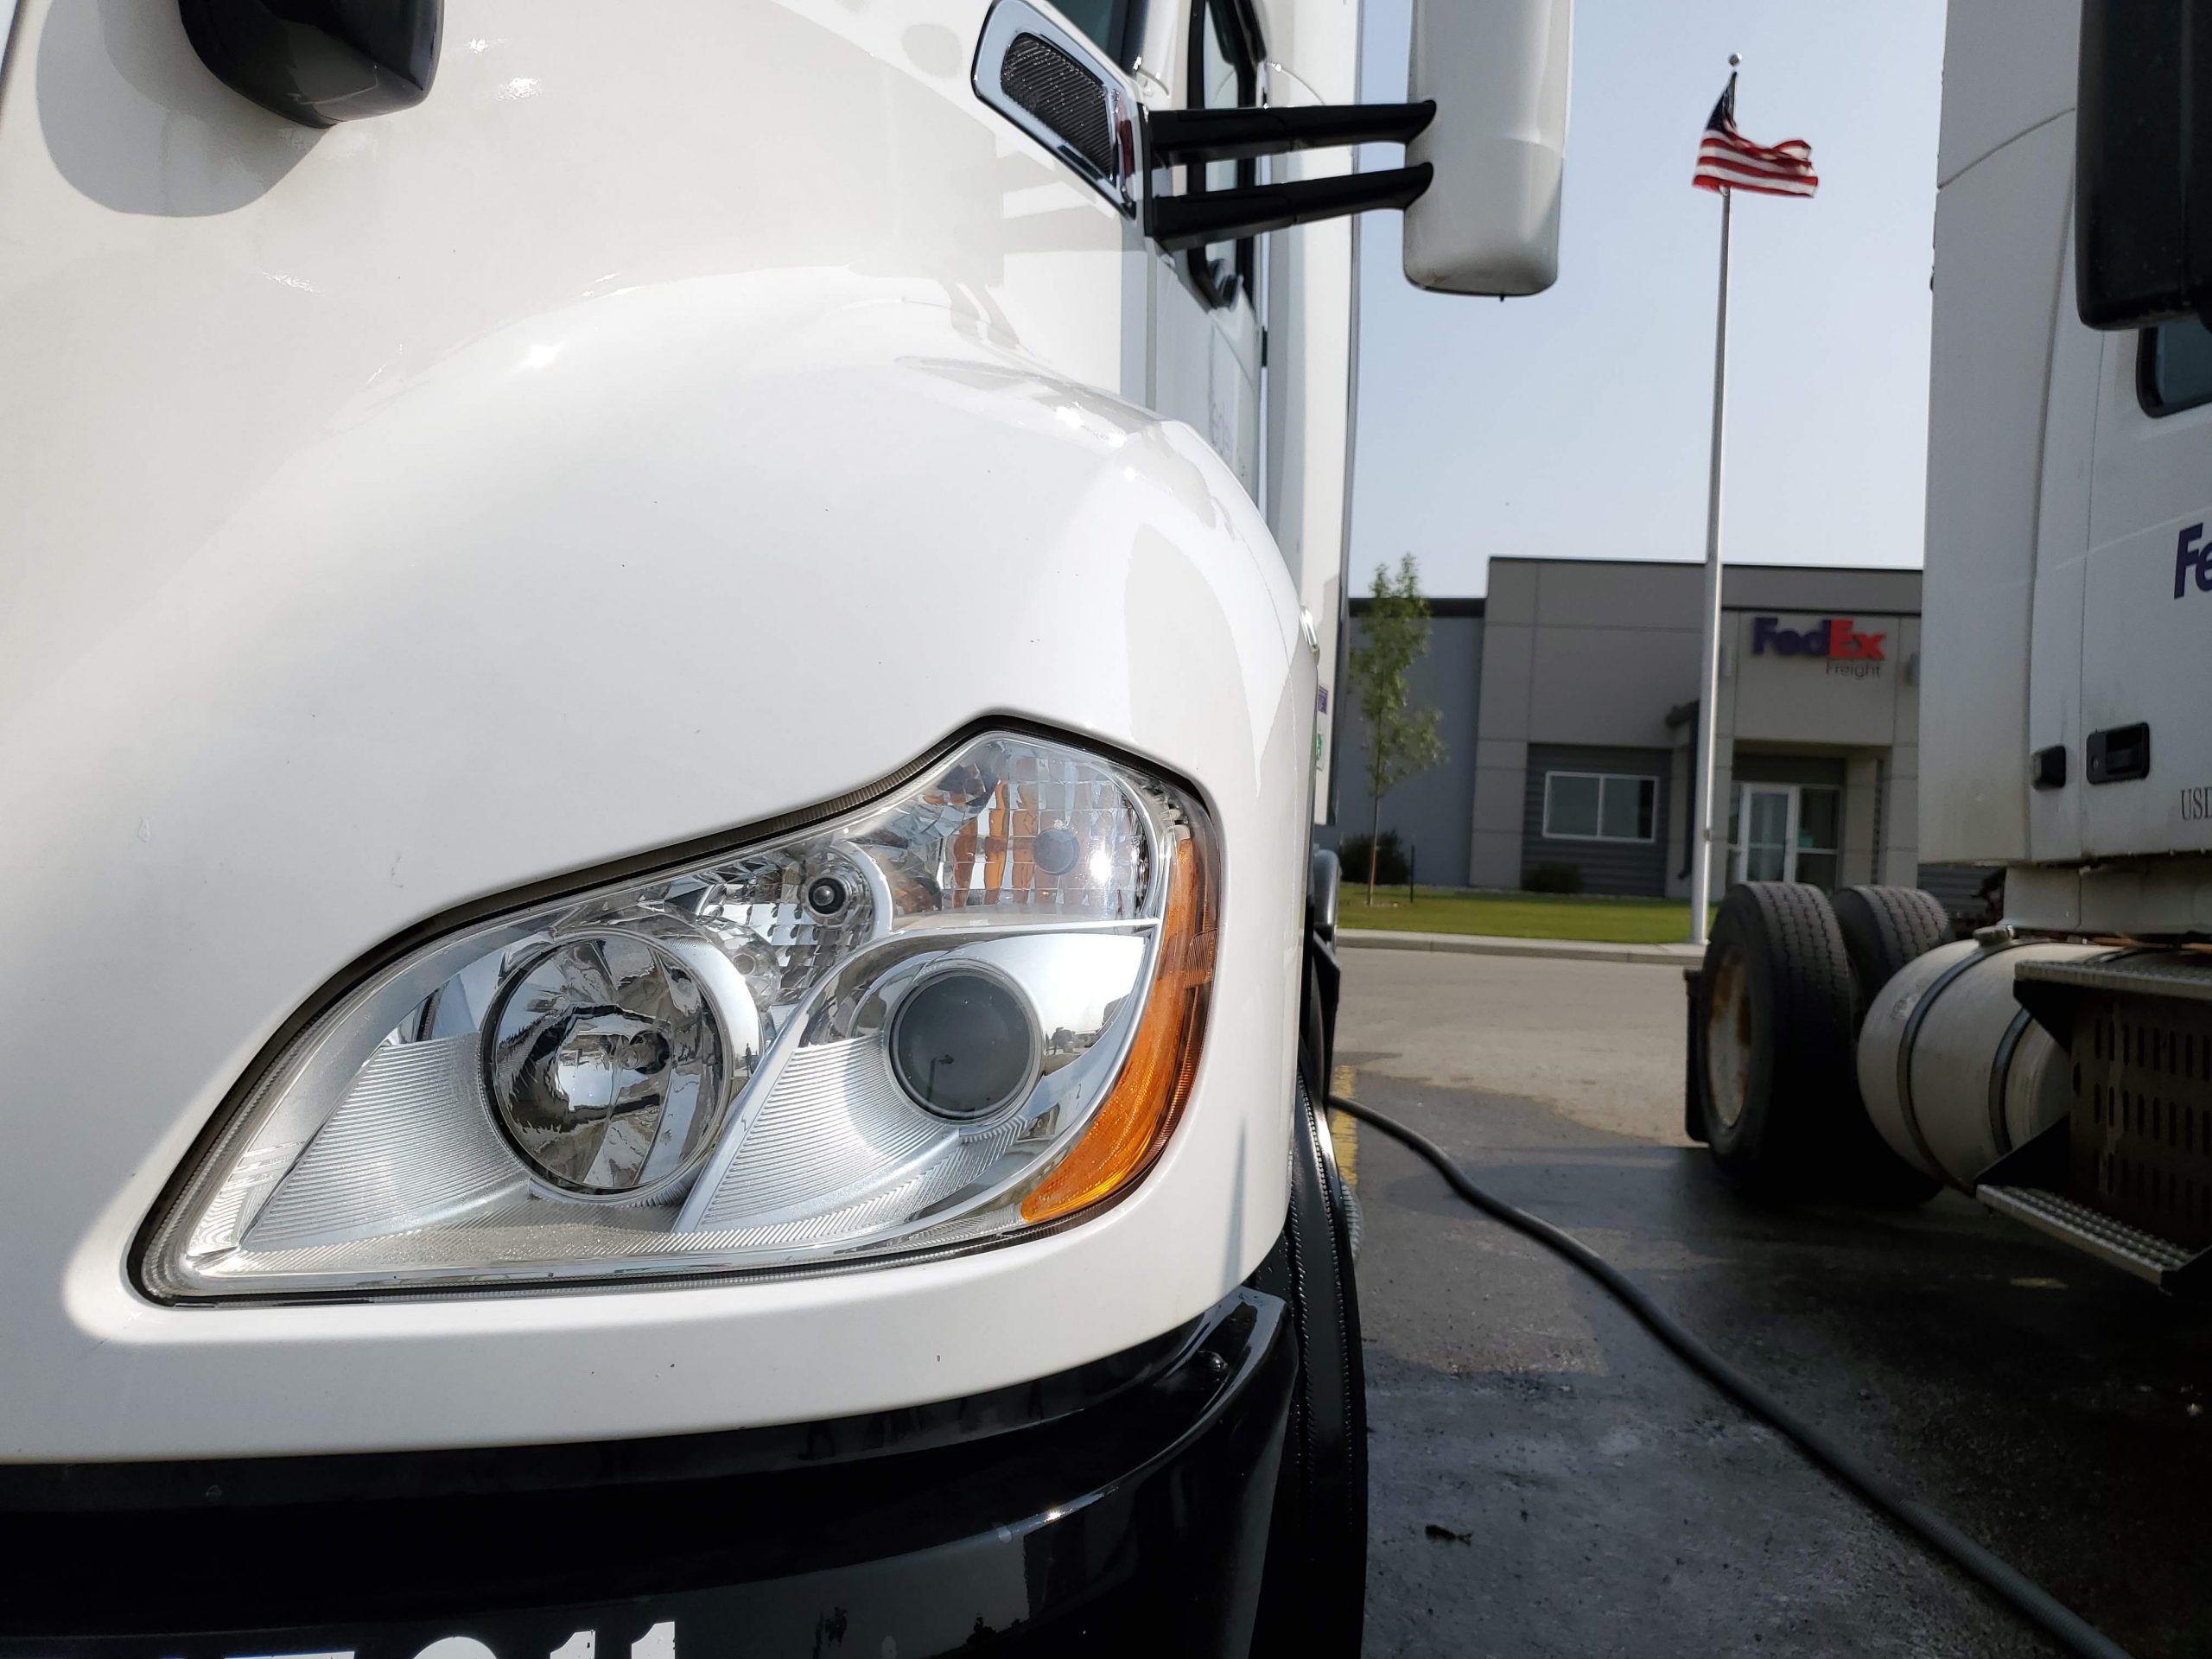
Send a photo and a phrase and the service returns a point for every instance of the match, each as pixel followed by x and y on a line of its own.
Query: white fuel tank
pixel 1954 1073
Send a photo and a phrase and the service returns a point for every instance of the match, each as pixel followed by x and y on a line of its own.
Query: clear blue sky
pixel 1574 424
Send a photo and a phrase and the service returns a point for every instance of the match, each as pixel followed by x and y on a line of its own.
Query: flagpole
pixel 1709 656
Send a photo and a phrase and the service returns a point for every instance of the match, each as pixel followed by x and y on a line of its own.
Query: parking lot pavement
pixel 1546 1480
pixel 1600 1043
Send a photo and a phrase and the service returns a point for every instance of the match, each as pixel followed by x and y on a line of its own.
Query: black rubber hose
pixel 2022 1594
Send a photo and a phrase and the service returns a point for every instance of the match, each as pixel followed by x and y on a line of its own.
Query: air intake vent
pixel 2142 1118
pixel 1063 94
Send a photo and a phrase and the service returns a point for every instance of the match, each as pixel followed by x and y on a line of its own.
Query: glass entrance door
pixel 1784 832
pixel 1765 819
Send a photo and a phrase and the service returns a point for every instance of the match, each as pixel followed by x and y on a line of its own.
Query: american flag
pixel 1728 161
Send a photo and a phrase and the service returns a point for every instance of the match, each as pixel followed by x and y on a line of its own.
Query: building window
pixel 2173 367
pixel 1600 806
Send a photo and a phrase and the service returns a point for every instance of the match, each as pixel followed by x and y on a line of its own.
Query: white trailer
pixel 658 749
pixel 2059 1066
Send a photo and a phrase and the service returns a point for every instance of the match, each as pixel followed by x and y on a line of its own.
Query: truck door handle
pixel 2119 753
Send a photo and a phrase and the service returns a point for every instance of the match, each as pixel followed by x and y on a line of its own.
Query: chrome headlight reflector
pixel 966 1011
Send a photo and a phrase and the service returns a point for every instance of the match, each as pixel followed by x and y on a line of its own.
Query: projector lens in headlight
pixel 971 1008
pixel 963 1045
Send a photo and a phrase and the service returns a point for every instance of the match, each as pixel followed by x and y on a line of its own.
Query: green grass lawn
pixel 1518 915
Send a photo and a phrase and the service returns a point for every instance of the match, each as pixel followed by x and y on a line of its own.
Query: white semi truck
pixel 658 682
pixel 2059 1066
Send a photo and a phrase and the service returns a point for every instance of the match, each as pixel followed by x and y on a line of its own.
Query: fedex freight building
pixel 1569 698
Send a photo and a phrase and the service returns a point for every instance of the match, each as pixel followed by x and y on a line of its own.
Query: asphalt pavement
pixel 1548 1480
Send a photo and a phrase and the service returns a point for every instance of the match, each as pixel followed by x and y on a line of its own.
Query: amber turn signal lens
pixel 1140 1114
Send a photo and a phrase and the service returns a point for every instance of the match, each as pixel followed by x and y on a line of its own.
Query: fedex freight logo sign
pixel 1834 640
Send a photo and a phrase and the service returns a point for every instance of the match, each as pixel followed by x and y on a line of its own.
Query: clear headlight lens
pixel 603 1058
pixel 969 1010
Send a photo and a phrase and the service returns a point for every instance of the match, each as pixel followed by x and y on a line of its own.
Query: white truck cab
pixel 2058 1066
pixel 658 693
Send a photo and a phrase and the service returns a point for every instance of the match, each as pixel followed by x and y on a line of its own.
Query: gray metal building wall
pixel 1604 654
pixel 1635 867
pixel 1600 657
pixel 1432 810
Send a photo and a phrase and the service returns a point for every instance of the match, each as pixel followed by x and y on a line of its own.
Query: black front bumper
pixel 1120 1508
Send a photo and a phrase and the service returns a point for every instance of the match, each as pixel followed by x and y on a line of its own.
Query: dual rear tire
pixel 1883 929
pixel 1787 978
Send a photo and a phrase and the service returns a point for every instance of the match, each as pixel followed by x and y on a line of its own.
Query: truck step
pixel 2182 974
pixel 2129 1248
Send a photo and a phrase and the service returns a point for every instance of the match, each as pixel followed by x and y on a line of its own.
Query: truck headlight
pixel 968 1011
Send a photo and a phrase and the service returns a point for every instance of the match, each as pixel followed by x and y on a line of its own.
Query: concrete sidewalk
pixel 1482 944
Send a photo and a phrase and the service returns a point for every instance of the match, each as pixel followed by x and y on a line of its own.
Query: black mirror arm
pixel 1179 222
pixel 1176 135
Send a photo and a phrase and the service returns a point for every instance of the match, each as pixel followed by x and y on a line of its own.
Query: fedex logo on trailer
pixel 1836 638
pixel 2192 560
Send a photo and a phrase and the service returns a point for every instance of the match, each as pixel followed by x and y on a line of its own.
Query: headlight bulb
pixel 604 1064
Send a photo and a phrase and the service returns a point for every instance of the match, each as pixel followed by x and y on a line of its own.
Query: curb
pixel 1477 944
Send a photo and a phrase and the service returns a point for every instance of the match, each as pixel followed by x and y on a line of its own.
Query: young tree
pixel 1402 738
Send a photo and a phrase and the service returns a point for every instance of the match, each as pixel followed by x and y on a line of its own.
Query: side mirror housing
pixel 2143 162
pixel 1498 71
pixel 318 62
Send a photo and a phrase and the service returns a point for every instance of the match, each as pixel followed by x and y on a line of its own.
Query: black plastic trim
pixel 1203 135
pixel 2119 754
pixel 1179 222
pixel 1143 1510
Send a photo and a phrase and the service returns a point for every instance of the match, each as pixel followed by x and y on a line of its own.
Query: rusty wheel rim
pixel 1728 1040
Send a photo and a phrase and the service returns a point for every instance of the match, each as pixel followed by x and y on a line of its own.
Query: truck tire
pixel 1883 929
pixel 1778 1093
pixel 1314 1594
